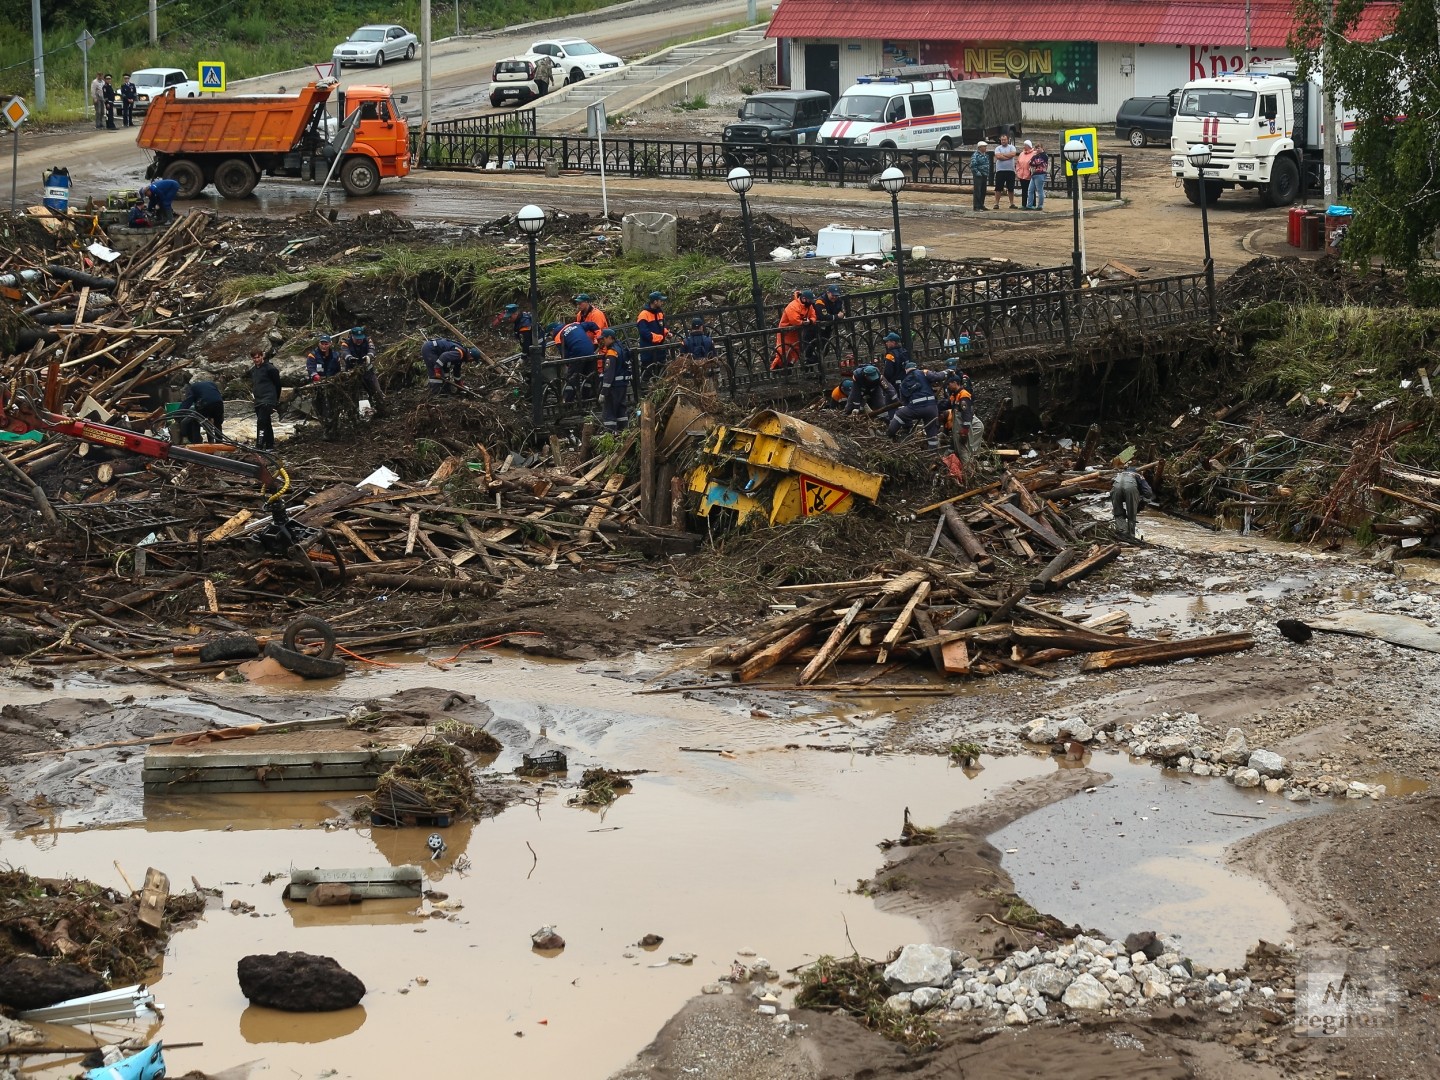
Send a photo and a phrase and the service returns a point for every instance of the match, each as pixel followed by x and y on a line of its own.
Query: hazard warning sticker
pixel 818 498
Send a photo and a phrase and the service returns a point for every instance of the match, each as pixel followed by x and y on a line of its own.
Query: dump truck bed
pixel 254 124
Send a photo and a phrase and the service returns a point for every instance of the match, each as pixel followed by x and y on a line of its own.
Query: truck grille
pixel 832 141
pixel 1222 153
pixel 745 133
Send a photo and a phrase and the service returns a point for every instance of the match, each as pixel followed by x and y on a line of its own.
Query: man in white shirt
pixel 1005 155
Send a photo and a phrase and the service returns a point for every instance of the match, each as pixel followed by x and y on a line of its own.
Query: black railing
pixel 997 324
pixel 455 146
pixel 520 122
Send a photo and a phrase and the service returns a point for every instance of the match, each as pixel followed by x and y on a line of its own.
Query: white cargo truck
pixel 1263 127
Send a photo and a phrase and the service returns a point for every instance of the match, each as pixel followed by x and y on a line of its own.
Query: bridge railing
pixel 486 142
pixel 996 322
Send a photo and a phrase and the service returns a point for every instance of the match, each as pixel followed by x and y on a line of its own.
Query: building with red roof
pixel 1077 60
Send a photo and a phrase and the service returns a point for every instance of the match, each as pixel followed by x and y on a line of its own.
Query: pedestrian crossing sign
pixel 212 76
pixel 1091 163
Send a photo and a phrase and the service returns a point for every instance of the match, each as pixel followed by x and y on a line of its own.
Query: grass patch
pixel 695 104
pixel 964 753
pixel 856 986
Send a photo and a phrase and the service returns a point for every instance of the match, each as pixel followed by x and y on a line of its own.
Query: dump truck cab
pixel 234 141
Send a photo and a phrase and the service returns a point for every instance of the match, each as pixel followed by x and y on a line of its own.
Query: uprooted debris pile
pixel 84 925
pixel 972 612
pixel 429 782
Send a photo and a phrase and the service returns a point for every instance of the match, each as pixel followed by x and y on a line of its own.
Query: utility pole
pixel 424 64
pixel 1248 49
pixel 457 18
pixel 1328 120
pixel 154 22
pixel 38 37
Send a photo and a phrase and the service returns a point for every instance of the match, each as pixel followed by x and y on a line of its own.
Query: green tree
pixel 1392 84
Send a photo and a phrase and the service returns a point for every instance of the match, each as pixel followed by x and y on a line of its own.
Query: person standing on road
pixel 1039 173
pixel 1022 172
pixel 1125 495
pixel 265 389
pixel 128 93
pixel 979 174
pixel 97 100
pixel 1005 155
pixel 107 93
pixel 544 75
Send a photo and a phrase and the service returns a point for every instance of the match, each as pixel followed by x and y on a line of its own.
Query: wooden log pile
pixel 966 607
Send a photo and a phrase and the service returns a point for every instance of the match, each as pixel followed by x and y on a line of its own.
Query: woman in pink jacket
pixel 1022 173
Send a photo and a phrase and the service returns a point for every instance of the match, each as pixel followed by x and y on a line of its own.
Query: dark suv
pixel 1143 120
pixel 776 118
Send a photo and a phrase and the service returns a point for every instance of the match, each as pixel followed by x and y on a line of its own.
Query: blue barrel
pixel 57 189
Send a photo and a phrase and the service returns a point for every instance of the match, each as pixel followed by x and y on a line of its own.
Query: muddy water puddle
pixel 758 851
pixel 1146 852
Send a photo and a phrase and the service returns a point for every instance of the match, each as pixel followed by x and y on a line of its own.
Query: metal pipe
pixel 755 294
pixel 537 348
pixel 900 273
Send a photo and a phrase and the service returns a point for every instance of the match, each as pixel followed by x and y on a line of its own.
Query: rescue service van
pixel 900 109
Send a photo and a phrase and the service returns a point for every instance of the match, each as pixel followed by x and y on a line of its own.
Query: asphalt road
pixel 460 78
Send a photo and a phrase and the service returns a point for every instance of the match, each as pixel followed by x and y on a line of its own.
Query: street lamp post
pixel 1199 156
pixel 1076 152
pixel 893 180
pixel 531 220
pixel 740 182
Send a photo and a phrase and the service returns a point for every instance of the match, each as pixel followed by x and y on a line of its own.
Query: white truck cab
pixel 1263 128
pixel 900 108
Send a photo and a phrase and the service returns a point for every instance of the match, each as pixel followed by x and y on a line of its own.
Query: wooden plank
pixel 231 526
pixel 350 534
pixel 1098 557
pixel 955 658
pixel 1044 637
pixel 412 533
pixel 966 538
pixel 600 509
pixel 902 621
pixel 1042 581
pixel 1015 516
pixel 771 655
pixel 212 598
pixel 833 645
pixel 153 895
pixel 1167 651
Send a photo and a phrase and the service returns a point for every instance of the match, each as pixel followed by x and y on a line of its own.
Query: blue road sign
pixel 212 76
pixel 1091 164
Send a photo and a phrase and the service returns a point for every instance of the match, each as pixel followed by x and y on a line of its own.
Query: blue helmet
pixel 847 385
pixel 869 373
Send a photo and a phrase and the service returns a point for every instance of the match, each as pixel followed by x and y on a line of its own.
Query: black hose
pixel 28 336
pixel 80 277
pixel 54 318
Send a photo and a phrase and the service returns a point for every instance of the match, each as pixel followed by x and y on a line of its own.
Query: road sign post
pixel 596 124
pixel 85 41
pixel 1077 170
pixel 325 70
pixel 16 112
pixel 212 77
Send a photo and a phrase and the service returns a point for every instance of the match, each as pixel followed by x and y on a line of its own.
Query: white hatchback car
pixel 150 83
pixel 575 59
pixel 375 44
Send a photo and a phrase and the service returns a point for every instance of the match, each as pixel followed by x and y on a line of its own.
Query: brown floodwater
pixel 759 851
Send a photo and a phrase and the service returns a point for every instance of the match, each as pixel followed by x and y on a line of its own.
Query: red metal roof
pixel 1154 22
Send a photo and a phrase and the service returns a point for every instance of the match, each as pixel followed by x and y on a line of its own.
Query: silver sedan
pixel 375 44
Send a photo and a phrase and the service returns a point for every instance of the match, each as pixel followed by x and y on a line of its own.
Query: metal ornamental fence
pixel 466 144
pixel 1034 309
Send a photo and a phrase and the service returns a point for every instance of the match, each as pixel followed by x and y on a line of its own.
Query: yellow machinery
pixel 776 469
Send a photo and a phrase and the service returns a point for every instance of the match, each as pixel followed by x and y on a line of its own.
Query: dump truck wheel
pixel 188 175
pixel 315 624
pixel 360 175
pixel 230 647
pixel 1284 183
pixel 307 667
pixel 235 178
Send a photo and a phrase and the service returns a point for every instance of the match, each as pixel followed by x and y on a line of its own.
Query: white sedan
pixel 375 44
pixel 150 83
pixel 575 59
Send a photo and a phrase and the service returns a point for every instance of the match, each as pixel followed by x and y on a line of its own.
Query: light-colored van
pixel 901 109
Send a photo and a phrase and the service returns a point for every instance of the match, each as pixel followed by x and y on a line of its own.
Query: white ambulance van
pixel 900 109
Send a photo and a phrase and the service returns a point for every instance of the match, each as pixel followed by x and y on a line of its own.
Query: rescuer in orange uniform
pixel 797 324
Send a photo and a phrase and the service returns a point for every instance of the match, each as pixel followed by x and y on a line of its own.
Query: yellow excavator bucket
pixel 775 469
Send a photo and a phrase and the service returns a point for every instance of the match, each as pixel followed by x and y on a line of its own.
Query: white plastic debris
pixel 380 478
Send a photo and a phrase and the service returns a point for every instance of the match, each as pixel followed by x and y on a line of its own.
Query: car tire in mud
pixel 308 624
pixel 230 647
pixel 307 667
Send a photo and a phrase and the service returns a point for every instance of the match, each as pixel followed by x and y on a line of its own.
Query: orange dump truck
pixel 233 141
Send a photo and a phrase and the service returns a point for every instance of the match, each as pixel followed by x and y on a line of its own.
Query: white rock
pixel 1086 992
pixel 1267 763
pixel 1124 985
pixel 1357 790
pixel 1155 988
pixel 1005 996
pixel 898 1002
pixel 1247 778
pixel 1234 751
pixel 1045 979
pixel 1077 730
pixel 1037 1006
pixel 1015 1016
pixel 1168 746
pixel 1178 971
pixel 1042 732
pixel 927 997
pixel 960 1003
pixel 1201 769
pixel 920 965
pixel 1274 785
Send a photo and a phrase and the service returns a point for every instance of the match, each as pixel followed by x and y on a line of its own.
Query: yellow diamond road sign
pixel 16 111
